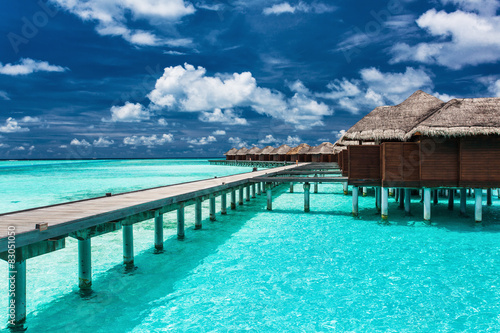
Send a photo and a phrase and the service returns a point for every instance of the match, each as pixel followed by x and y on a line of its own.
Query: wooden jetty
pixel 33 232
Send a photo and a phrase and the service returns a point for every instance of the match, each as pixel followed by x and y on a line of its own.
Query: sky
pixel 175 78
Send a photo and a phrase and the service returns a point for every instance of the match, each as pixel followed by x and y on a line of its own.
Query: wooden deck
pixel 63 219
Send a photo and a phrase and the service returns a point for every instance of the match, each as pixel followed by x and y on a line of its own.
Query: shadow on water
pixel 121 298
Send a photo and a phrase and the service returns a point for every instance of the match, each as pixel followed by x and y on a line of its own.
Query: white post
pixel 355 192
pixel 223 204
pixel 463 201
pixel 346 188
pixel 365 191
pixel 385 203
pixel 158 231
pixel 128 244
pixel 197 213
pixel 479 204
pixel 269 190
pixel 84 264
pixel 240 196
pixel 427 204
pixel 17 271
pixel 212 207
pixel 307 190
pixel 180 222
pixel 407 201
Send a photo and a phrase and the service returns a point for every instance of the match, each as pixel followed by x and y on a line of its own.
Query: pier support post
pixel 307 190
pixel 427 204
pixel 384 203
pixel 212 207
pixel 479 204
pixel 402 198
pixel 391 192
pixel 158 231
pixel 180 222
pixel 17 271
pixel 377 198
pixel 253 190
pixel 488 197
pixel 223 204
pixel 365 191
pixel 269 190
pixel 84 264
pixel 451 199
pixel 263 186
pixel 197 213
pixel 498 193
pixel 258 188
pixel 355 193
pixel 396 194
pixel 346 188
pixel 463 201
pixel 316 185
pixel 233 199
pixel 240 196
pixel 128 244
pixel 291 187
pixel 407 201
pixel 247 191
pixel 436 196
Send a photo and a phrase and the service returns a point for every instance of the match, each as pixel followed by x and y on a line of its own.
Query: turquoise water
pixel 281 271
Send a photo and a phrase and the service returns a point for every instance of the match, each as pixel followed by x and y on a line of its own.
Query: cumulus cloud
pixel 28 66
pixel 268 140
pixel 20 148
pixel 483 7
pixel 376 88
pixel 227 117
pixel 162 122
pixel 494 88
pixel 462 39
pixel 29 119
pixel 189 89
pixel 4 95
pixel 103 142
pixel 4 145
pixel 271 140
pixel 128 113
pixel 12 126
pixel 293 140
pixel 114 17
pixel 202 141
pixel 82 143
pixel 237 142
pixel 149 141
pixel 285 7
pixel 219 132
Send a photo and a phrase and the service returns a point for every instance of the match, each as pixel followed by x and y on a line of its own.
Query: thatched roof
pixel 462 117
pixel 298 149
pixel 394 122
pixel 254 150
pixel 265 151
pixel 231 151
pixel 281 150
pixel 242 151
pixel 324 148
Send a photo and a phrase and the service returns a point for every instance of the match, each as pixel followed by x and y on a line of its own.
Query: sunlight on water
pixel 284 270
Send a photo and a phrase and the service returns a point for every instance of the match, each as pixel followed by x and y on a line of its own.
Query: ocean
pixel 255 270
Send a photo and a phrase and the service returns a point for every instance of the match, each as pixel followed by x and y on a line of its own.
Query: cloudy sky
pixel 174 78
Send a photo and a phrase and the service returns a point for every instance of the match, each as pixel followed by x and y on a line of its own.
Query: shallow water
pixel 282 271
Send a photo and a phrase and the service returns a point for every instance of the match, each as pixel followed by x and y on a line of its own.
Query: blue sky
pixel 174 78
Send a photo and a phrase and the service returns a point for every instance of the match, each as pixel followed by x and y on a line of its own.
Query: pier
pixel 34 232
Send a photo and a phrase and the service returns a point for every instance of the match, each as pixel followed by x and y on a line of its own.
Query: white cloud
pixel 376 88
pixel 149 141
pixel 285 7
pixel 237 142
pixel 29 119
pixel 339 134
pixel 162 122
pixel 20 148
pixel 31 148
pixel 219 132
pixel 4 95
pixel 63 146
pixel 483 7
pixel 202 141
pixel 189 89
pixel 494 88
pixel 103 142
pixel 269 139
pixel 128 113
pixel 227 117
pixel 293 141
pixel 113 17
pixel 462 39
pixel 12 126
pixel 27 66
pixel 83 143
pixel 4 145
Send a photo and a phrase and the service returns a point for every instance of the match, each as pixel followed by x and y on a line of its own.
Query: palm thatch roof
pixel 254 150
pixel 231 151
pixel 281 150
pixel 462 117
pixel 298 149
pixel 324 148
pixel 242 151
pixel 394 122
pixel 265 151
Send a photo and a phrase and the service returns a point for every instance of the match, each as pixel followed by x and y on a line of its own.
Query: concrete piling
pixel 307 190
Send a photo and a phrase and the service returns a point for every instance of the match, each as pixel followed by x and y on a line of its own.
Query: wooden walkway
pixel 70 217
